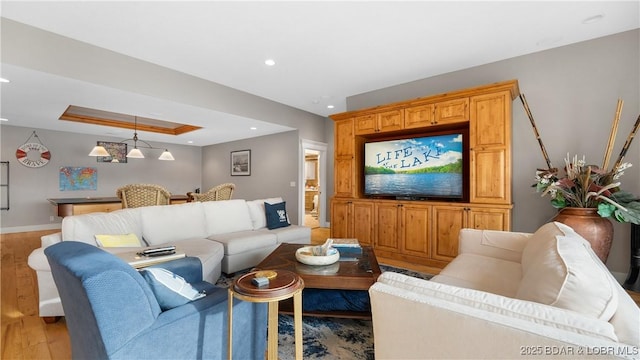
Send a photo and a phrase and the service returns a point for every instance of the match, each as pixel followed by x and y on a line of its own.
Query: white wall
pixel 572 92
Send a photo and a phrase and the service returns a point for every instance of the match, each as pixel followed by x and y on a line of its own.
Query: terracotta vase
pixel 597 230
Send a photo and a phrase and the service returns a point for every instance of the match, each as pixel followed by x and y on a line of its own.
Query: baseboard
pixel 19 229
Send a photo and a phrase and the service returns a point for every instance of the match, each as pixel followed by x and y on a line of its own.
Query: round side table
pixel 285 285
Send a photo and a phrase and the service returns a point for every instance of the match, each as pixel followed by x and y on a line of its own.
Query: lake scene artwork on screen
pixel 430 166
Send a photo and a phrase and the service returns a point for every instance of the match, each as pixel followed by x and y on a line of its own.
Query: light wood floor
pixel 24 334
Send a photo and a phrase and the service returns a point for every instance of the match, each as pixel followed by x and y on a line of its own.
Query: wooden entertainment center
pixel 425 232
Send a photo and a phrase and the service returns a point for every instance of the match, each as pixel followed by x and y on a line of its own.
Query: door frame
pixel 322 179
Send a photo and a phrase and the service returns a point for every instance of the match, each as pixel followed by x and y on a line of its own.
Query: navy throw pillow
pixel 276 215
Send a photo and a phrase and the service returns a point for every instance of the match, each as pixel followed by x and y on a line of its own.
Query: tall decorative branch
pixel 627 143
pixel 612 135
pixel 535 131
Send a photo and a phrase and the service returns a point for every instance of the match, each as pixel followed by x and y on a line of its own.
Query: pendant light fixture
pixel 135 153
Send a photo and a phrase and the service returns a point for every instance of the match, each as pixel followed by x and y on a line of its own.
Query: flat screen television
pixel 423 167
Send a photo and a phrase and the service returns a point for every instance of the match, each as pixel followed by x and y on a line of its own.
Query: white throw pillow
pixel 171 290
pixel 538 243
pixel 227 216
pixel 563 271
pixel 256 210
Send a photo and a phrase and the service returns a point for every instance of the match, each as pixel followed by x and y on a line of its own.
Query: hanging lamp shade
pixel 99 151
pixel 135 153
pixel 166 155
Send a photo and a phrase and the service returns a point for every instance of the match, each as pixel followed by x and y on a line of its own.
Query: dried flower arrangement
pixel 590 186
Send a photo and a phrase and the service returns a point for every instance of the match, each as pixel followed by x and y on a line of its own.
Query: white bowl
pixel 305 256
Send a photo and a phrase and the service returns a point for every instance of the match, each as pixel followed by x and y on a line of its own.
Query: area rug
pixel 329 338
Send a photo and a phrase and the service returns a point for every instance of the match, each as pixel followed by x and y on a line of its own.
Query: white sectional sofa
pixel 227 236
pixel 508 295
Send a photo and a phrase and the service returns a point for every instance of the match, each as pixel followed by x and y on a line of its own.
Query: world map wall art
pixel 78 178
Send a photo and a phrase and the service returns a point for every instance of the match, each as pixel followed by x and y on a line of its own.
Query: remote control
pixel 165 250
pixel 161 253
pixel 158 249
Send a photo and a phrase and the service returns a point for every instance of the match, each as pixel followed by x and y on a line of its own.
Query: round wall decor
pixel 22 153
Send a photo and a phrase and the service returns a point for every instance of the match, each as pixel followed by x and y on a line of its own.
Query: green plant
pixel 589 186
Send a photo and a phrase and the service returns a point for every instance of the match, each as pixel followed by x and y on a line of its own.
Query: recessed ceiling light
pixel 190 142
pixel 330 106
pixel 269 62
pixel 3 119
pixel 4 80
pixel 253 128
pixel 593 19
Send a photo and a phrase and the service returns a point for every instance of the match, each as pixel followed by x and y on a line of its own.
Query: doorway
pixel 311 188
pixel 312 184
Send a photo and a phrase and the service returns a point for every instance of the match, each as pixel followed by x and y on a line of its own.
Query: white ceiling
pixel 324 51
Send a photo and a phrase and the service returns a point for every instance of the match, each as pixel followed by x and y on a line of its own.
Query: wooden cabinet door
pixel 415 229
pixel 386 225
pixel 447 223
pixel 344 159
pixel 344 139
pixel 490 119
pixel 343 178
pixel 419 116
pixel 452 111
pixel 363 222
pixel 390 120
pixel 366 124
pixel 489 219
pixel 489 140
pixel 488 176
pixel 341 219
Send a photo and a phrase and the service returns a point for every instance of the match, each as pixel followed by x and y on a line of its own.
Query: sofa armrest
pixel 415 319
pixel 38 261
pixel 48 240
pixel 504 245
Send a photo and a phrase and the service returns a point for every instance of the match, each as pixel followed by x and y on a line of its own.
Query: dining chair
pixel 216 193
pixel 138 195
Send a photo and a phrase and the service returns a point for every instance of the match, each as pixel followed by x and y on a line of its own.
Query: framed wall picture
pixel 118 152
pixel 241 163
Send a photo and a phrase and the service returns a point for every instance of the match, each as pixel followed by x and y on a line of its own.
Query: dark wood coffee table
pixel 357 274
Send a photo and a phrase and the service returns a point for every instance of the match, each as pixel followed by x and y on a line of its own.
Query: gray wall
pixel 30 187
pixel 572 92
pixel 274 165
